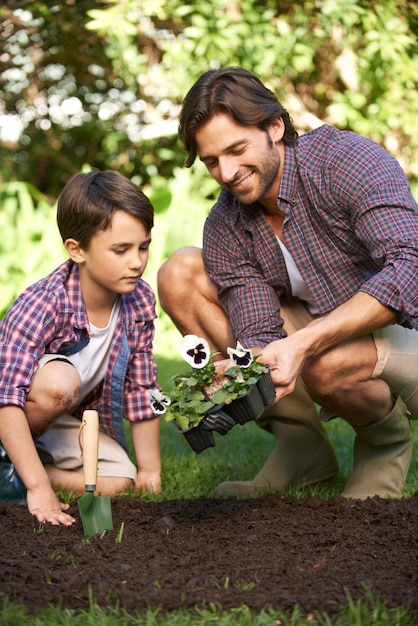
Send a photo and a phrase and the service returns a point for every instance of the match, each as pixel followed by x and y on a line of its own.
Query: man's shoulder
pixel 322 139
pixel 328 143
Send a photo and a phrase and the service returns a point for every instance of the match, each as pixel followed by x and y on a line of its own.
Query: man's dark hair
pixel 89 201
pixel 236 92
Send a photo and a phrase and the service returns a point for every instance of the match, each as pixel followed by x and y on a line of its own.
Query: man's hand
pixel 223 365
pixel 44 505
pixel 285 358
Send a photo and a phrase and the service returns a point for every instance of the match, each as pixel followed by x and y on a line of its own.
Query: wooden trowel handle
pixel 90 441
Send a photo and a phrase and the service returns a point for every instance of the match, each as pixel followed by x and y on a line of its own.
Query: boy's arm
pixel 16 437
pixel 146 440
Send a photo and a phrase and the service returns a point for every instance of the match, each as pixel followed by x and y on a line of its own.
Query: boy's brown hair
pixel 88 202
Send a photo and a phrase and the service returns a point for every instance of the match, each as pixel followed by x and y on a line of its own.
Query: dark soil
pixel 271 551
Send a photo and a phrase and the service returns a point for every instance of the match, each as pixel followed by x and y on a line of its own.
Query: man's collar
pixel 287 187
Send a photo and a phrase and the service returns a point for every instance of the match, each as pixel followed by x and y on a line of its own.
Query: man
pixel 309 258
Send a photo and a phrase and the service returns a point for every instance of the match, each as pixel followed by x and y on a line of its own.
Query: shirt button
pixel 293 200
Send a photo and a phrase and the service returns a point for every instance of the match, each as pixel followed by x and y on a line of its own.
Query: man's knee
pixel 321 376
pixel 178 274
pixel 340 370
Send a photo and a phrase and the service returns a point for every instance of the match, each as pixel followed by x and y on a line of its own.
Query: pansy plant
pixel 159 402
pixel 241 356
pixel 195 393
pixel 195 351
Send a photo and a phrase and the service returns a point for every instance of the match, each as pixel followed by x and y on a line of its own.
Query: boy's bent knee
pixel 56 379
pixel 113 485
pixel 55 390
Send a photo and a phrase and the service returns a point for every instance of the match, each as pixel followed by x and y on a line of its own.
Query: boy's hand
pixel 146 438
pixel 46 507
pixel 148 481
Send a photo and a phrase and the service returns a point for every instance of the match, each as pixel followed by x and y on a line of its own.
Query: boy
pixel 81 338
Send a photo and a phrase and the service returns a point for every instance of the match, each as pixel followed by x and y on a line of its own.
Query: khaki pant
pixel 397 358
pixel 59 446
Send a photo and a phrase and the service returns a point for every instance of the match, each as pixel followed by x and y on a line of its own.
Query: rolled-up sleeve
pixel 24 332
pixel 250 279
pixel 385 219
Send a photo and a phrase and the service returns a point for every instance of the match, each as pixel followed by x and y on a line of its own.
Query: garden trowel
pixel 95 511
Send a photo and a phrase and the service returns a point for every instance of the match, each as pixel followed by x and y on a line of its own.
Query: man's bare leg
pixel 342 380
pixel 190 298
pixel 303 453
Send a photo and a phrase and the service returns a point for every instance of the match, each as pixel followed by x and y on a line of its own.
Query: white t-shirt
pixel 92 361
pixel 299 288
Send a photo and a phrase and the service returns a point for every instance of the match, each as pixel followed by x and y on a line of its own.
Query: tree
pixel 102 82
pixel 64 102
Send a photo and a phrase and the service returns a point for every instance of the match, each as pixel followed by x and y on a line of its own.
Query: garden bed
pixel 277 551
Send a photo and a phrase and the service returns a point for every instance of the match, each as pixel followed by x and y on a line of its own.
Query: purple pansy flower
pixel 241 356
pixel 159 402
pixel 195 351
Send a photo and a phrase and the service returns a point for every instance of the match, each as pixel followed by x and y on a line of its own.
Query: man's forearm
pixel 359 316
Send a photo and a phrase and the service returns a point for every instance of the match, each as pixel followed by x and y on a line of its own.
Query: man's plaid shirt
pixel 351 225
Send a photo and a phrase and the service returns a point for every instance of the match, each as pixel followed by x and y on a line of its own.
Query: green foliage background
pixel 100 83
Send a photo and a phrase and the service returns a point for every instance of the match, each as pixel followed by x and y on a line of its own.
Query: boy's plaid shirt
pixel 50 317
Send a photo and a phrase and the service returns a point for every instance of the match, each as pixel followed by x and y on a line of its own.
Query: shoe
pixel 12 488
pixel 382 455
pixel 302 456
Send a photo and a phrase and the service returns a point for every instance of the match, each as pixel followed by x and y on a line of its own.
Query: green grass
pixel 369 612
pixel 239 455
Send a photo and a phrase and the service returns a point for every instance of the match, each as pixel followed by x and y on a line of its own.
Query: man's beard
pixel 265 174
